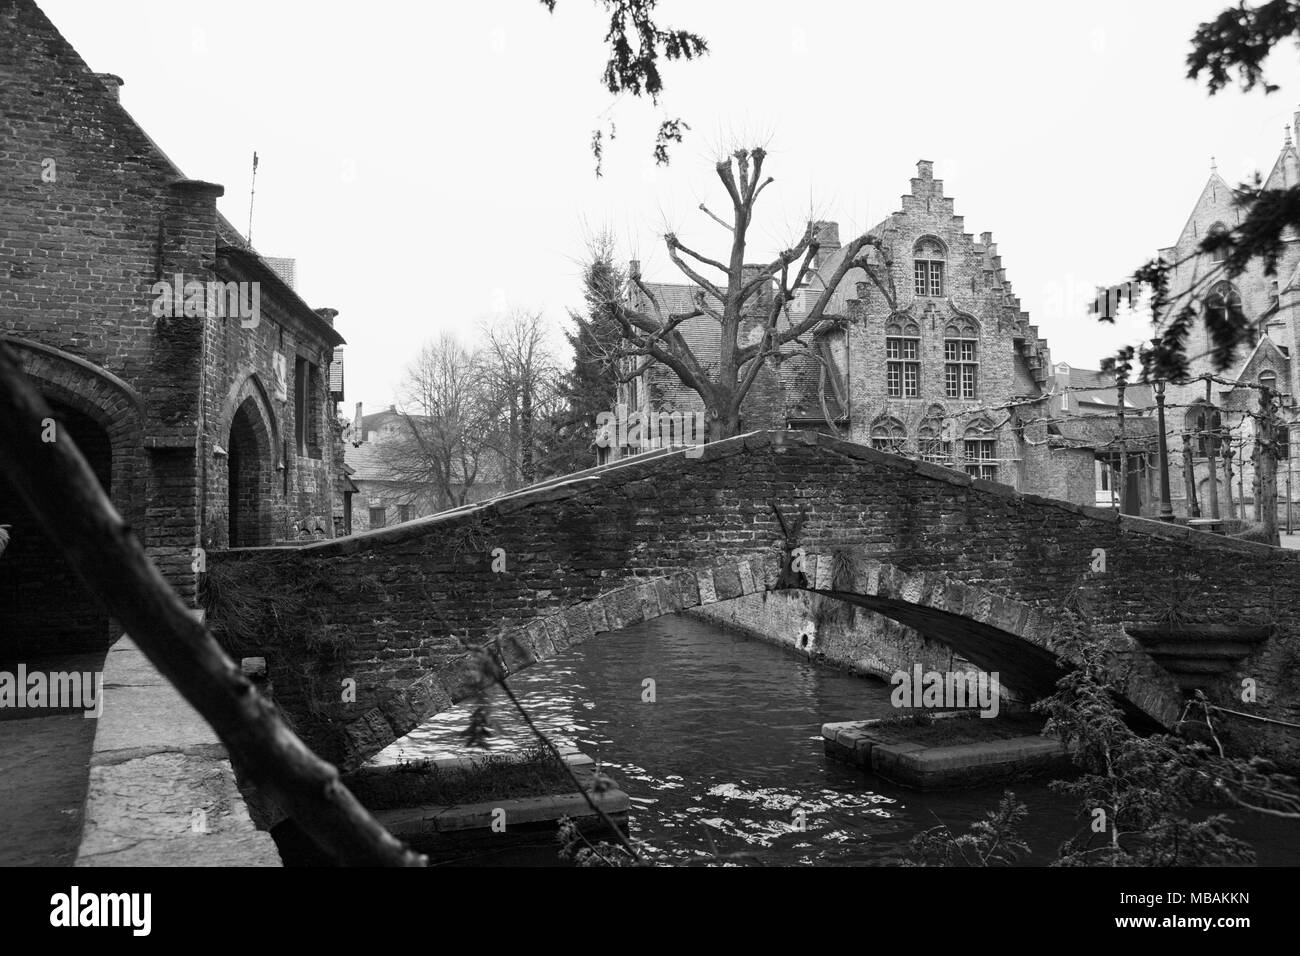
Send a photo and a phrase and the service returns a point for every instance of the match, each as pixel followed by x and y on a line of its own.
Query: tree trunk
pixel 1268 467
pixel 1227 481
pixel 1189 478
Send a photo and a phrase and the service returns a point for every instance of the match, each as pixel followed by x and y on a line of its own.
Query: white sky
pixel 428 164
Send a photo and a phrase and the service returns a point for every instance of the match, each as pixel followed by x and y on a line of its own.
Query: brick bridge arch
pixel 970 563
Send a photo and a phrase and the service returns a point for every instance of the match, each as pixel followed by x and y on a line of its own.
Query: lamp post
pixel 1166 508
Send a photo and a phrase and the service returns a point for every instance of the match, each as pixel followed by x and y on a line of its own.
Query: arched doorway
pixel 248 479
pixel 44 607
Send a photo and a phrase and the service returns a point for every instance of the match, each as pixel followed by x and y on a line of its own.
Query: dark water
pixel 731 749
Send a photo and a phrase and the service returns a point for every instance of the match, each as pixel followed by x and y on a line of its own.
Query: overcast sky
pixel 429 166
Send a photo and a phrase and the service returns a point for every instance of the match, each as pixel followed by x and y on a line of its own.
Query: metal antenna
pixel 252 191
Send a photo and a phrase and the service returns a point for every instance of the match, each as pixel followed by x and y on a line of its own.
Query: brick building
pixel 388 478
pixel 191 375
pixel 1196 414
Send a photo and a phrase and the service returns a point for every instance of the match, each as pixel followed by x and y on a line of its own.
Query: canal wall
pixel 837 634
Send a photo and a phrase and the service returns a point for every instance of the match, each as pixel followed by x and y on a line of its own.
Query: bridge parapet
pixel 958 558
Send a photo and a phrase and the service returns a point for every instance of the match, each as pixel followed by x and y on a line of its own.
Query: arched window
pixel 889 435
pixel 928 259
pixel 1223 306
pixel 1203 424
pixel 1220 254
pixel 903 358
pixel 931 437
pixel 961 360
pixel 980 448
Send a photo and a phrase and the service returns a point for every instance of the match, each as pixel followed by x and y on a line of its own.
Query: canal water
pixel 728 758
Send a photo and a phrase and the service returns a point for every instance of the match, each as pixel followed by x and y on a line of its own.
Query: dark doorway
pixel 248 482
pixel 44 607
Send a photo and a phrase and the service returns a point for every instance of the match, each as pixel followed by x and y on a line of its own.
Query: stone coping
pixel 952 766
pixel 641 466
pixel 162 791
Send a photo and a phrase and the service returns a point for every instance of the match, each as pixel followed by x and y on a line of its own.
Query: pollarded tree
pixel 740 297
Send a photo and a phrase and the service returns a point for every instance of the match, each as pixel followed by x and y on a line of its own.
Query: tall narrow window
pixel 981 455
pixel 903 359
pixel 1220 254
pixel 930 438
pixel 307 396
pixel 928 260
pixel 1223 306
pixel 961 360
pixel 1203 424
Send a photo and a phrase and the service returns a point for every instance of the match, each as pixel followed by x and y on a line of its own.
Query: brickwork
pixel 94 215
pixel 969 563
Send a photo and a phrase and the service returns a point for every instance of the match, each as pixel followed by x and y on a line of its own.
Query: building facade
pixel 191 375
pixel 1214 423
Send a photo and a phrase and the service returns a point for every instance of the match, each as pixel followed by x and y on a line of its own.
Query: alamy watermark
pixel 646 431
pixel 946 689
pixel 63 690
pixel 193 299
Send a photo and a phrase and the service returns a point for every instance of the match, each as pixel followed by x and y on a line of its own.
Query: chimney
pixel 827 234
pixel 924 169
pixel 328 315
pixel 113 83
pixel 357 426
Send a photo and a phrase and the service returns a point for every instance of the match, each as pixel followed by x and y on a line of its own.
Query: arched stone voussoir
pixel 986 628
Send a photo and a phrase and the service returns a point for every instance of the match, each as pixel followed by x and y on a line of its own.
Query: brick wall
pixel 393 605
pixel 93 216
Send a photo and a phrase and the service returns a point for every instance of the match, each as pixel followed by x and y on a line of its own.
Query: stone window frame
pixel 1223 296
pixel 903 359
pixel 889 435
pixel 961 360
pixel 1200 428
pixel 929 267
pixel 1219 255
pixel 931 442
pixel 980 451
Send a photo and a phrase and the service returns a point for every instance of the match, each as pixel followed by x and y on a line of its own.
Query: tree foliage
pixel 1235 43
pixel 637 44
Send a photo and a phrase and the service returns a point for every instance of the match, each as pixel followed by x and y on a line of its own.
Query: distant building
pixel 1218 419
pixel 1089 446
pixel 388 484
pixel 956 374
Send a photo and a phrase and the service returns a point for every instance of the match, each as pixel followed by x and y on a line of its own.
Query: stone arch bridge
pixel 992 573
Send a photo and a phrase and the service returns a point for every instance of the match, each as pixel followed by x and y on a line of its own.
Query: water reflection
pixel 727 761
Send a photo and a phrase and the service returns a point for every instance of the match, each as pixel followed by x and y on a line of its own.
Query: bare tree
pixel 734 291
pixel 526 380
pixel 448 411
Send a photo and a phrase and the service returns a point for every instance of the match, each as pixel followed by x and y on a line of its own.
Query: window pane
pixel 892 348
pixel 894 379
pixel 911 379
pixel 910 348
pixel 936 278
pixel 921 277
pixel 950 381
pixel 968 351
pixel 949 350
pixel 968 381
